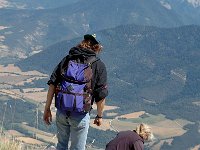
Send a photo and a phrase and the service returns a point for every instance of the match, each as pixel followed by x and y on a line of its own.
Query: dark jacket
pixel 99 79
pixel 126 140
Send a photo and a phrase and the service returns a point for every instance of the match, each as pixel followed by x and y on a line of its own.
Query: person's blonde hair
pixel 87 44
pixel 144 131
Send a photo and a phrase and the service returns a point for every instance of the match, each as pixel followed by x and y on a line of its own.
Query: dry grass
pixel 6 144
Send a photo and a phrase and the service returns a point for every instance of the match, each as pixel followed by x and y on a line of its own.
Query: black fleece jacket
pixel 99 79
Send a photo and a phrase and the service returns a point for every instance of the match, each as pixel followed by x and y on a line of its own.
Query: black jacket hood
pixel 75 51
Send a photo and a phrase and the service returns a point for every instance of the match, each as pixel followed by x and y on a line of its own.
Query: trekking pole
pixel 90 145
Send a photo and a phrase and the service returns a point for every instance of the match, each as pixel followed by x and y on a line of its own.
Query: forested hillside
pixel 158 65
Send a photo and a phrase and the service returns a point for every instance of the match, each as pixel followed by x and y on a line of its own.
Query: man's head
pixel 144 131
pixel 90 42
pixel 91 38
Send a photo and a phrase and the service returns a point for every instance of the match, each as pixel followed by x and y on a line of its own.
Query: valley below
pixel 26 125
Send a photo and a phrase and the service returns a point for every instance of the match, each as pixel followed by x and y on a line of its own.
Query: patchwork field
pixel 12 81
pixel 163 128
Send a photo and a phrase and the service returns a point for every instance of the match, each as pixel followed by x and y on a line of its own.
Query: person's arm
pixel 53 82
pixel 47 117
pixel 100 92
pixel 100 108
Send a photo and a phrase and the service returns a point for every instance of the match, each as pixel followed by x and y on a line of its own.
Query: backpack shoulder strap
pixel 91 60
pixel 65 63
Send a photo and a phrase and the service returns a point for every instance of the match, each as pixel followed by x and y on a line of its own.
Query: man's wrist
pixel 99 116
pixel 47 109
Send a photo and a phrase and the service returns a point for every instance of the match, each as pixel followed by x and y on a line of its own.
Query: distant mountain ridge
pixel 36 4
pixel 31 31
pixel 24 4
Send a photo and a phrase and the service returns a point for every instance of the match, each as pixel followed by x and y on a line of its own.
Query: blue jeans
pixel 73 126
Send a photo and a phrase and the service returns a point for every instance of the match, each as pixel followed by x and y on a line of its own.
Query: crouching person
pixel 131 140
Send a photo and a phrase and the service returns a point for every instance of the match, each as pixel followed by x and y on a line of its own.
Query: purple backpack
pixel 75 93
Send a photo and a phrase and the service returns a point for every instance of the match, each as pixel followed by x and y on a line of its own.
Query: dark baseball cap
pixel 91 37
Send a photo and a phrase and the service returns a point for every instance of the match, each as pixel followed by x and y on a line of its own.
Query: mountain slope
pixel 30 31
pixel 151 67
pixel 25 32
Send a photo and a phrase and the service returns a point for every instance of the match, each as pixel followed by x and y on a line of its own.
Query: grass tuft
pixel 6 144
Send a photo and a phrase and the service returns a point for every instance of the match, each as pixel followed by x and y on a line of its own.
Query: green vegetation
pixel 146 118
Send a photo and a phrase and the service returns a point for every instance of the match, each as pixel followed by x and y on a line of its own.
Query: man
pixel 72 124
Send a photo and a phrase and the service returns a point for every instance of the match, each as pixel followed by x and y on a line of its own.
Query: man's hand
pixel 47 117
pixel 98 121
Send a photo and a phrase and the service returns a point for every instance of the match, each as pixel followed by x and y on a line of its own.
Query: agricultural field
pixel 14 82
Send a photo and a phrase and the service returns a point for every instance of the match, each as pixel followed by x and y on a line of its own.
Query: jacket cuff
pixel 51 82
pixel 101 95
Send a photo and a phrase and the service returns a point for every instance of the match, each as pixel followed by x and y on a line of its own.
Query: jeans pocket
pixel 80 122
